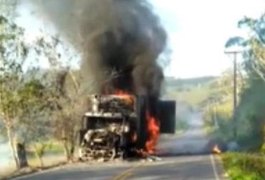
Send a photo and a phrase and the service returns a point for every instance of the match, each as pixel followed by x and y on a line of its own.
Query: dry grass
pixel 4 172
pixel 34 165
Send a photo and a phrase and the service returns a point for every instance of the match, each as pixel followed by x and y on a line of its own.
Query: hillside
pixel 192 91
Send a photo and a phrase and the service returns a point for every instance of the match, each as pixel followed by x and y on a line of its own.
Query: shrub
pixel 244 166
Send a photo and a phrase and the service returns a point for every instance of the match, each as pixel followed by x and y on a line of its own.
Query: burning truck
pixel 119 126
pixel 123 50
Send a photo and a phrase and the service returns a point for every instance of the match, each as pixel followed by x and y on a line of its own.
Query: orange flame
pixel 153 127
pixel 121 92
pixel 129 99
pixel 216 149
pixel 153 133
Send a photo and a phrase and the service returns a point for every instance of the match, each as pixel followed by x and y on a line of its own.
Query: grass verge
pixel 50 161
pixel 243 166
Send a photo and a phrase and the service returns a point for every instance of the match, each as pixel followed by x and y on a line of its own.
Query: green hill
pixel 192 91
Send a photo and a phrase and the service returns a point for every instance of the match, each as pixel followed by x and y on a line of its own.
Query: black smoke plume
pixel 120 41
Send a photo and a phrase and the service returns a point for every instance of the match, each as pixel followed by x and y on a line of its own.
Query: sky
pixel 197 32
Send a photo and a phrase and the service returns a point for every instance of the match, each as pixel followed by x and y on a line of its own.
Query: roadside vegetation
pixel 40 109
pixel 246 127
pixel 244 166
pixel 52 156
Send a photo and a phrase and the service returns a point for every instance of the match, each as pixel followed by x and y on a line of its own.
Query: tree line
pixel 38 105
pixel 249 118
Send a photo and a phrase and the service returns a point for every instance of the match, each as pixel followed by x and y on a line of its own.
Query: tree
pixel 23 97
pixel 250 110
pixel 254 55
pixel 13 52
pixel 71 105
pixel 35 123
pixel 7 8
pixel 67 93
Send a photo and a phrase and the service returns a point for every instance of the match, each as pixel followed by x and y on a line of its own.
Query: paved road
pixel 180 168
pixel 192 141
pixel 193 167
pixel 204 167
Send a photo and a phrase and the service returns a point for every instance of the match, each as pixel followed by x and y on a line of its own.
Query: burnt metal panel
pixel 141 122
pixel 167 116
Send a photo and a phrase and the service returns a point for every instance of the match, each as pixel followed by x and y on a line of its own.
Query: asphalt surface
pixel 193 141
pixel 181 159
pixel 199 167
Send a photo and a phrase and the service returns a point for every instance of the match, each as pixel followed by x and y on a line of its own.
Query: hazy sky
pixel 197 31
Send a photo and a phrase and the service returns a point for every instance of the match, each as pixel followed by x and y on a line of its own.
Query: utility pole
pixel 234 53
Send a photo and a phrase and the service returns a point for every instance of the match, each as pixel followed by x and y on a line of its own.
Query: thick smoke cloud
pixel 120 41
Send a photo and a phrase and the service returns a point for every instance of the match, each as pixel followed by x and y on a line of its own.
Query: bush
pixel 244 166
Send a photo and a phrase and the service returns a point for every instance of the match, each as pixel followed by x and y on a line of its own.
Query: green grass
pixel 48 160
pixel 54 150
pixel 194 96
pixel 243 166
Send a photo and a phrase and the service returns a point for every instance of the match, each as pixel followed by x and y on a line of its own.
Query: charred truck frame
pixel 116 126
pixel 120 43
